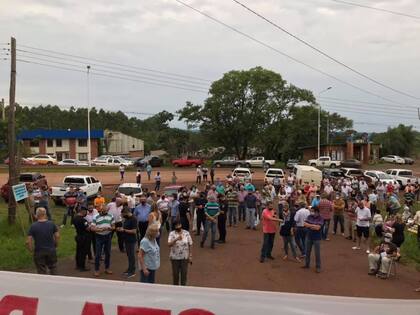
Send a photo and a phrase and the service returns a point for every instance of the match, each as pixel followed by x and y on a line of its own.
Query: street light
pixel 319 121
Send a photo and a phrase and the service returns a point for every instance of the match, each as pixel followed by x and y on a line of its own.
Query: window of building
pixel 50 143
pixel 58 142
pixel 83 156
pixel 82 142
pixel 34 143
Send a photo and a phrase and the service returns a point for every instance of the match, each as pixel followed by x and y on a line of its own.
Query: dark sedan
pixel 408 160
pixel 154 161
pixel 352 163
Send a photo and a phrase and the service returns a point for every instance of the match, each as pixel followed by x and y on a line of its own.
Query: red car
pixel 187 161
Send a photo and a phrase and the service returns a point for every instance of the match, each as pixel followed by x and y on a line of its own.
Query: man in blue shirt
pixel 313 224
pixel 141 212
pixel 174 205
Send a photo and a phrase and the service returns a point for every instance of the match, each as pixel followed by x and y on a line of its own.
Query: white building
pixel 117 143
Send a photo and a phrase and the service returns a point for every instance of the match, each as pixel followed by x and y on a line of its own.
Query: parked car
pixel 87 184
pixel 324 161
pixel 352 172
pixel 30 179
pixel 332 173
pixel 23 161
pixel 73 162
pixel 272 173
pixel 393 159
pixel 172 189
pixel 259 161
pixel 229 161
pixel 154 161
pixel 44 159
pixel 187 161
pixel 402 176
pixel 372 177
pixel 291 163
pixel 408 160
pixel 127 188
pixel 352 163
pixel 307 174
pixel 111 161
pixel 242 174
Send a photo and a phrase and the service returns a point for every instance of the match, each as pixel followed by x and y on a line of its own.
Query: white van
pixel 307 174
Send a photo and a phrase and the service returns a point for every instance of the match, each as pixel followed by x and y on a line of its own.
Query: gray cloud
pixel 164 35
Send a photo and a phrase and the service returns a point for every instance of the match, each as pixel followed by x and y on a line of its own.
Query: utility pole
pixel 11 129
pixel 328 128
pixel 3 113
pixel 88 117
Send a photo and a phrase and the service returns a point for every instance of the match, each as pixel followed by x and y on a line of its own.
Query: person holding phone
pixel 180 244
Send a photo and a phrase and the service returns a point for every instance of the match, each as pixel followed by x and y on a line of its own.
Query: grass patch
pixel 13 253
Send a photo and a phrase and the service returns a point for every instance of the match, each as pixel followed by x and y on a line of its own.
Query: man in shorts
pixel 363 217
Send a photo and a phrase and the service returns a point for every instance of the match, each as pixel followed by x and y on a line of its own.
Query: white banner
pixel 30 294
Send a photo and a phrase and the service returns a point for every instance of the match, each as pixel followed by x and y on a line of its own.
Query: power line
pixel 25 52
pixel 364 102
pixel 318 50
pixel 111 76
pixel 115 64
pixel 119 73
pixel 371 110
pixel 373 107
pixel 370 113
pixel 377 9
pixel 282 53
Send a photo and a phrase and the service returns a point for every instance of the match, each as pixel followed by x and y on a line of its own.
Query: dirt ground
pixel 235 264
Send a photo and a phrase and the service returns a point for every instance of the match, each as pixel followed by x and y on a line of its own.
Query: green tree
pixel 242 107
pixel 401 140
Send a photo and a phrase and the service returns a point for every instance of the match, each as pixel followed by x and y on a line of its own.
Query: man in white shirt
pixel 114 208
pixel 362 225
pixel 328 189
pixel 363 186
pixel 131 201
pixel 300 237
pixel 163 207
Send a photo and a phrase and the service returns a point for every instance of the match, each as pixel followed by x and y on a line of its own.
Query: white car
pixel 259 161
pixel 393 159
pixel 73 162
pixel 242 173
pixel 128 188
pixel 273 173
pixel 111 161
pixel 89 185
pixel 372 177
pixel 402 176
pixel 352 172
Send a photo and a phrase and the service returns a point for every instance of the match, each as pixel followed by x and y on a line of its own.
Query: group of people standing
pixel 300 212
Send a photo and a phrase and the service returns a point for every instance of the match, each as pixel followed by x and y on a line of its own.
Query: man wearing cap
pixel 70 200
pixel 103 225
pixel 211 211
pixel 251 206
pixel 313 223
pixel 141 212
pixel 300 235
pixel 83 238
pixel 129 231
pixel 381 257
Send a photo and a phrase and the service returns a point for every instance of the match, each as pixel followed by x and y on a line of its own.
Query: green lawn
pixel 13 253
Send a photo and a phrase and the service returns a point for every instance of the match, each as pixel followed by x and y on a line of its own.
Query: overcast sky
pixel 166 36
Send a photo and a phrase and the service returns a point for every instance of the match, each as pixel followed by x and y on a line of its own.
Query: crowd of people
pixel 300 212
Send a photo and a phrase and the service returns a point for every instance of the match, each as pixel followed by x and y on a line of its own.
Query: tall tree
pixel 242 106
pixel 401 140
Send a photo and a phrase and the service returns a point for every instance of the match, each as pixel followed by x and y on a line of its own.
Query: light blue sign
pixel 20 192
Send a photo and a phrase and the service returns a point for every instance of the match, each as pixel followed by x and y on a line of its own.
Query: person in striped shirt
pixel 211 211
pixel 103 224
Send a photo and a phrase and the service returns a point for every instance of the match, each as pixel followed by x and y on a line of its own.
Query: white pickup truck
pixel 259 161
pixel 87 184
pixel 324 161
pixel 402 176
